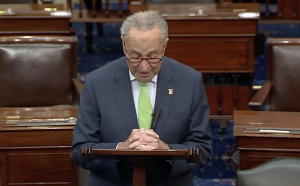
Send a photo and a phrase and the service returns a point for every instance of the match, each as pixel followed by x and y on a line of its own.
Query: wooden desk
pixel 257 147
pixel 219 44
pixel 32 19
pixel 219 41
pixel 37 154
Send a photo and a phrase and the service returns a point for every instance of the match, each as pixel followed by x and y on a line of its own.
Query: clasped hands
pixel 143 139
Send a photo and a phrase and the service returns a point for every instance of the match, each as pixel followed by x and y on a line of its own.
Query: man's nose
pixel 144 64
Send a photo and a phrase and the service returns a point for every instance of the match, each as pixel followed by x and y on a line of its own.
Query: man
pixel 114 111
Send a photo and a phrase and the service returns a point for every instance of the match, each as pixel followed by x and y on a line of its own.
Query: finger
pixel 150 132
pixel 148 138
pixel 144 147
pixel 135 135
pixel 136 144
pixel 153 146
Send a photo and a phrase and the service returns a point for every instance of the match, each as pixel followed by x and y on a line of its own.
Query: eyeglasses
pixel 139 60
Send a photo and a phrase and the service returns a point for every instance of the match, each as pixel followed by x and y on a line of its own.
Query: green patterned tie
pixel 144 107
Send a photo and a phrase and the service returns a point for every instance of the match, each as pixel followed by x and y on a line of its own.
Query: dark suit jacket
pixel 107 116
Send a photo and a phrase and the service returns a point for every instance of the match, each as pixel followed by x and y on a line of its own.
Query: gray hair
pixel 144 21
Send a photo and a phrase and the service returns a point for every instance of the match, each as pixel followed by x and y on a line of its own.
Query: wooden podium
pixel 35 146
pixel 217 40
pixel 139 158
pixel 263 135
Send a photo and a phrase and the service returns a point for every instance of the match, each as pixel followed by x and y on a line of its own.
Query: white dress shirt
pixel 152 85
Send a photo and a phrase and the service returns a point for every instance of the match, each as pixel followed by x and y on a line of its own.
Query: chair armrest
pixel 78 85
pixel 261 95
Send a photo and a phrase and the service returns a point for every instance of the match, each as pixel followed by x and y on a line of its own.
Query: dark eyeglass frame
pixel 144 58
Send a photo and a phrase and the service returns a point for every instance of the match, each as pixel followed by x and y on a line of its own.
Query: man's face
pixel 144 44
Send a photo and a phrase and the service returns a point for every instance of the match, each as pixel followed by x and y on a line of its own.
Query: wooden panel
pixel 256 150
pixel 37 137
pixel 288 9
pixel 298 10
pixel 37 155
pixel 268 142
pixel 32 167
pixel 212 96
pixel 227 100
pixel 242 97
pixel 31 25
pixel 207 54
pixel 221 27
pixel 250 159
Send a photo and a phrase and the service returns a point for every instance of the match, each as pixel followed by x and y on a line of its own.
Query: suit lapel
pixel 124 98
pixel 163 96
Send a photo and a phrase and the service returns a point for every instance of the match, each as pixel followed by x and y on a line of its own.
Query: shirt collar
pixel 132 78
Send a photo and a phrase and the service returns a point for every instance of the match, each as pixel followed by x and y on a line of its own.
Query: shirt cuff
pixel 118 145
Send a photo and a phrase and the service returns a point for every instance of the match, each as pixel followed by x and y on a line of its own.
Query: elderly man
pixel 119 98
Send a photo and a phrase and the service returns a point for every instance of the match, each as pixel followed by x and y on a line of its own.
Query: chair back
pixel 284 73
pixel 276 172
pixel 37 71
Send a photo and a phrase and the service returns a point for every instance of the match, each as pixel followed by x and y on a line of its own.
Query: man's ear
pixel 123 45
pixel 167 41
pixel 165 46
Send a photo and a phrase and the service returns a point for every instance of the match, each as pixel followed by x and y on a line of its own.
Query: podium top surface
pixel 116 152
pixel 266 124
pixel 192 155
pixel 35 11
pixel 203 11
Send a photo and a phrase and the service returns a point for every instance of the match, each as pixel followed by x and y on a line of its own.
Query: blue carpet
pixel 214 182
pixel 222 169
pixel 224 163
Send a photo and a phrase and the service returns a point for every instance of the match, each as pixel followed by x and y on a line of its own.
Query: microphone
pixel 155 119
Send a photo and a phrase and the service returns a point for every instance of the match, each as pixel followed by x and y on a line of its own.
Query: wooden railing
pixel 107 11
pixel 227 92
pixel 100 16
